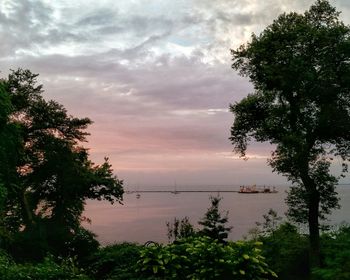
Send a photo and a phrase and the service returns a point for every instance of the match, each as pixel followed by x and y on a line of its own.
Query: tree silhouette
pixel 213 223
pixel 299 66
pixel 49 175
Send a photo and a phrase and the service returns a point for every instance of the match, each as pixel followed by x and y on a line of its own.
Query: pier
pixel 183 191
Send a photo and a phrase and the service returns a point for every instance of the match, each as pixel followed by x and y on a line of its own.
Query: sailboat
pixel 175 191
pixel 138 195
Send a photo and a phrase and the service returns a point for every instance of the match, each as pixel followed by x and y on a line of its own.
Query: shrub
pixel 336 255
pixel 46 270
pixel 286 250
pixel 180 229
pixel 114 262
pixel 204 258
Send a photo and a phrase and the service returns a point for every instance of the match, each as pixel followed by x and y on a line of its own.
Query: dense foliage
pixel 45 173
pixel 114 262
pixel 204 258
pixel 286 250
pixel 336 255
pixel 46 270
pixel 299 66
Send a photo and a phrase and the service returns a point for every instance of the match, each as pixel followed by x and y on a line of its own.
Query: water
pixel 143 219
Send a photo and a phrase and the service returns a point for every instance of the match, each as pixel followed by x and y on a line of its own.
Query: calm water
pixel 142 219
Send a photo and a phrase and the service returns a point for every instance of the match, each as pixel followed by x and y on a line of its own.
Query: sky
pixel 154 76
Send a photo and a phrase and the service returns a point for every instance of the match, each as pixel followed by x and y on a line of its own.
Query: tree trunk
pixel 313 209
pixel 314 232
pixel 26 211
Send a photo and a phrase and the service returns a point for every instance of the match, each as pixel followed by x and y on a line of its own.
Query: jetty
pixel 242 189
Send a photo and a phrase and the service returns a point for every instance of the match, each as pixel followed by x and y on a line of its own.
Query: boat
pixel 268 190
pixel 255 189
pixel 248 189
pixel 175 191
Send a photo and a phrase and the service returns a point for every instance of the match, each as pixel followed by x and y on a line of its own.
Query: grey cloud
pixel 24 22
pixel 99 17
pixel 142 100
pixel 180 84
pixel 171 82
pixel 31 26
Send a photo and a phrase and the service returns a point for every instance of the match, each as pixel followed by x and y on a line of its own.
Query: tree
pixel 299 66
pixel 9 151
pixel 213 223
pixel 180 229
pixel 271 222
pixel 48 176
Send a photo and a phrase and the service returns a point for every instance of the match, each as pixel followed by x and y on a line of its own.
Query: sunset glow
pixel 154 76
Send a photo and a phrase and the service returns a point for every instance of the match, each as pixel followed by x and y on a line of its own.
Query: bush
pixel 44 239
pixel 114 262
pixel 285 249
pixel 46 270
pixel 336 255
pixel 180 229
pixel 287 252
pixel 204 258
pixel 82 245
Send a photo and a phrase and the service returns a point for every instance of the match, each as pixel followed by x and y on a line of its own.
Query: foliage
pixel 114 262
pixel 9 149
pixel 180 229
pixel 297 199
pixel 46 270
pixel 336 254
pixel 204 258
pixel 82 245
pixel 45 171
pixel 300 71
pixel 286 250
pixel 270 224
pixel 214 223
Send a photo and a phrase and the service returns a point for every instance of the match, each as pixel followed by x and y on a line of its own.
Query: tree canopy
pixel 45 170
pixel 300 68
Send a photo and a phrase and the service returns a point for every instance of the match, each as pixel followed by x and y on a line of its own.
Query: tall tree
pixel 299 66
pixel 51 174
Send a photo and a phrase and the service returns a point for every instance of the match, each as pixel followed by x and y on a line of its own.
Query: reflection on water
pixel 144 215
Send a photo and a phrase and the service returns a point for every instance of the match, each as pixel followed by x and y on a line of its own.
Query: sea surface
pixel 143 216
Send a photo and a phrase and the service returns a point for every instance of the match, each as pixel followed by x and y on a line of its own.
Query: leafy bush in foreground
pixel 204 258
pixel 286 250
pixel 46 270
pixel 115 262
pixel 336 255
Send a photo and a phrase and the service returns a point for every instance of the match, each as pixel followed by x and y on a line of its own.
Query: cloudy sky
pixel 153 75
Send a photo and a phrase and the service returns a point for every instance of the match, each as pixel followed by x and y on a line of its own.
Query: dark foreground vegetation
pixel 300 70
pixel 275 249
